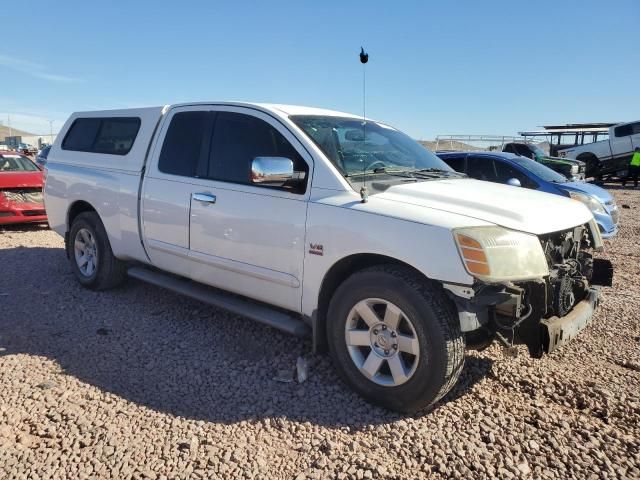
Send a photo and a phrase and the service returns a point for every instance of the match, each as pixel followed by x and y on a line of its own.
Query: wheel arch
pixel 584 156
pixel 592 163
pixel 76 208
pixel 335 275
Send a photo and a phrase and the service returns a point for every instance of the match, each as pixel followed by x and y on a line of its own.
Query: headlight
pixel 594 205
pixel 575 169
pixel 496 254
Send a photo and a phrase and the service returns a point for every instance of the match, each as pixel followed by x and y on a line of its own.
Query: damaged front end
pixel 541 313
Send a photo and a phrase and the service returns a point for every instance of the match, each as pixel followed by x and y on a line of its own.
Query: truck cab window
pixel 238 139
pixel 525 151
pixel 183 144
pixel 624 130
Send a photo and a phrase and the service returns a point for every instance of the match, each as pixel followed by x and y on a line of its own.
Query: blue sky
pixel 437 67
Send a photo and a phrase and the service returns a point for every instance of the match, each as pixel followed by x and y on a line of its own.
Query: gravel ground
pixel 141 383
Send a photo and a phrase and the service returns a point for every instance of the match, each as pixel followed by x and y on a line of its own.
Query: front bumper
pixel 12 213
pixel 610 234
pixel 492 313
pixel 559 330
pixel 608 222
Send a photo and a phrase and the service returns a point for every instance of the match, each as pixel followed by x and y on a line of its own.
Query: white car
pixel 319 223
pixel 609 156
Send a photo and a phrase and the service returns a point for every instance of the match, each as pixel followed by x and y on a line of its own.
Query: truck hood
pixel 563 161
pixel 511 207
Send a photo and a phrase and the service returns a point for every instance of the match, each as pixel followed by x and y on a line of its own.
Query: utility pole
pixel 9 123
pixel 50 132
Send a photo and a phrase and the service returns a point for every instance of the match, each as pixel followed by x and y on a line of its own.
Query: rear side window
pixel 114 136
pixel 481 168
pixel 238 139
pixel 624 130
pixel 184 143
pixel 457 163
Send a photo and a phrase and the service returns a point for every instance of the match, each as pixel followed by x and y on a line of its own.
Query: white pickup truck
pixel 607 157
pixel 260 209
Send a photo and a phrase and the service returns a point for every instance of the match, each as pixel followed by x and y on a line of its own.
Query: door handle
pixel 204 197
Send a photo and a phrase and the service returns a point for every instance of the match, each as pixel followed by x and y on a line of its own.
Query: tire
pixel 593 166
pixel 427 316
pixel 108 271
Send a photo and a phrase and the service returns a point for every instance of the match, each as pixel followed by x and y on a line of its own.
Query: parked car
pixel 20 190
pixel 611 156
pixel 26 149
pixel 574 170
pixel 520 171
pixel 316 225
pixel 41 158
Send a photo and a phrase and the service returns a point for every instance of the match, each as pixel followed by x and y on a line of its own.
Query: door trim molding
pixel 245 269
pixel 227 264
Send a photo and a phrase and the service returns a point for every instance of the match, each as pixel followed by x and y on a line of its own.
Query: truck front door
pixel 179 154
pixel 247 238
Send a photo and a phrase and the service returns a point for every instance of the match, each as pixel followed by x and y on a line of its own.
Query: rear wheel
pixel 90 254
pixel 593 167
pixel 395 338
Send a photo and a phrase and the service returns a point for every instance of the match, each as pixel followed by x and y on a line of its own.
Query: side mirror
pixel 271 171
pixel 514 182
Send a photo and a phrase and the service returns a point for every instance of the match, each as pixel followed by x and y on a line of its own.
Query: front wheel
pixel 395 338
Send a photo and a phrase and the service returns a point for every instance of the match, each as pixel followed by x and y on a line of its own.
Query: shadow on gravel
pixel 618 186
pixel 23 228
pixel 172 354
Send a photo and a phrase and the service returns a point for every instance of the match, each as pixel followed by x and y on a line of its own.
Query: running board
pixel 262 313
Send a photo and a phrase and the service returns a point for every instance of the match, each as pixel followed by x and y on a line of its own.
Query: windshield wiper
pixel 382 170
pixel 438 171
pixel 408 173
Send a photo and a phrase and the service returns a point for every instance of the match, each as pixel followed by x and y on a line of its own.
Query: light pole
pixel 50 132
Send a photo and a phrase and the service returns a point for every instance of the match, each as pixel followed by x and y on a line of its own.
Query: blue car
pixel 523 172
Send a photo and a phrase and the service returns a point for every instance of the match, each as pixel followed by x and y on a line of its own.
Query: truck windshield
pixel 545 173
pixel 16 163
pixel 538 151
pixel 355 147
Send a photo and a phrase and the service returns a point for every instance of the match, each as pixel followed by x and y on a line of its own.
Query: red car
pixel 20 190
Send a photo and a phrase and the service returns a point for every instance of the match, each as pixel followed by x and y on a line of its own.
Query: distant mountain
pixel 447 145
pixel 4 132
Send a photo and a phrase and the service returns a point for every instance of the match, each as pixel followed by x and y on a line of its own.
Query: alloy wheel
pixel 382 342
pixel 85 252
